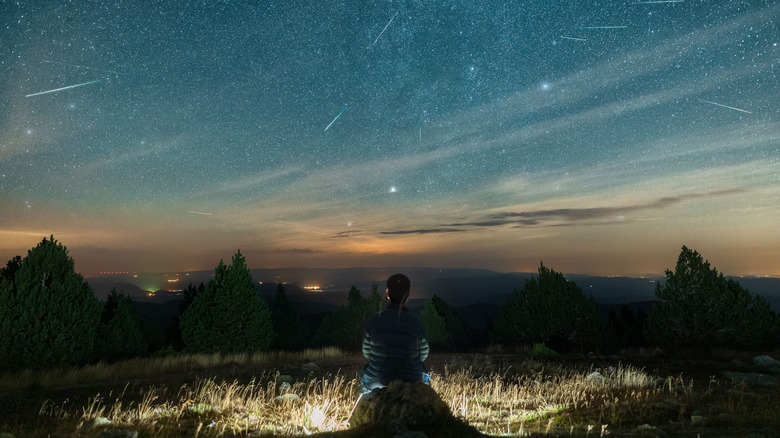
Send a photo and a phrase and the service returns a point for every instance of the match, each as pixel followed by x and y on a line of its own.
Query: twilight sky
pixel 596 136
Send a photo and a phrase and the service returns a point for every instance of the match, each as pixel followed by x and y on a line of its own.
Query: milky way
pixel 598 137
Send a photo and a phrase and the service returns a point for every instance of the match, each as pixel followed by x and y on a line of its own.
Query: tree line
pixel 50 317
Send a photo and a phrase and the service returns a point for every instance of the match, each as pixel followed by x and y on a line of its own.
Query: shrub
pixel 541 352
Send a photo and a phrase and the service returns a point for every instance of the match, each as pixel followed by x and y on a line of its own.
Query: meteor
pixel 657 1
pixel 337 117
pixel 602 27
pixel 383 30
pixel 572 38
pixel 725 106
pixel 63 88
pixel 200 212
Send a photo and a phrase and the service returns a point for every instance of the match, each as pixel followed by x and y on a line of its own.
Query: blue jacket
pixel 395 345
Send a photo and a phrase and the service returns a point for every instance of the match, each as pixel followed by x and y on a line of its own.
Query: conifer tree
pixel 550 308
pixel 290 331
pixel 346 326
pixel 120 333
pixel 48 313
pixel 698 306
pixel 229 316
pixel 435 327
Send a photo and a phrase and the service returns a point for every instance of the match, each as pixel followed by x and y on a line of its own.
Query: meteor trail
pixel 383 30
pixel 602 27
pixel 337 117
pixel 200 212
pixel 572 38
pixel 725 106
pixel 63 88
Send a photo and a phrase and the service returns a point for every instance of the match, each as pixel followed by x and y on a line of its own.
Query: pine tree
pixel 550 309
pixel 229 316
pixel 346 326
pixel 435 327
pixel 290 331
pixel 9 272
pixel 120 333
pixel 48 313
pixel 698 306
pixel 460 335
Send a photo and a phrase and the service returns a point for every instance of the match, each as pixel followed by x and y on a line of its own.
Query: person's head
pixel 398 287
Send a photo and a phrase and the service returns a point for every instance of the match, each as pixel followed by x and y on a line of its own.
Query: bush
pixel 541 352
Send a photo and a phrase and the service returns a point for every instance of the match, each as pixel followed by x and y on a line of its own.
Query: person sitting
pixel 395 342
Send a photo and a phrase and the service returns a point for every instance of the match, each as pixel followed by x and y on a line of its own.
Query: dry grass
pixel 146 367
pixel 497 396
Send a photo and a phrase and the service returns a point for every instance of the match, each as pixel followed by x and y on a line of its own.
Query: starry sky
pixel 596 136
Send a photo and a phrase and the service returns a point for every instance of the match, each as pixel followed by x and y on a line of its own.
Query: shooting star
pixel 200 213
pixel 337 117
pixel 63 88
pixel 572 38
pixel 602 27
pixel 724 106
pixel 383 30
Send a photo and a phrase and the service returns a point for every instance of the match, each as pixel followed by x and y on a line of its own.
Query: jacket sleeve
pixel 367 342
pixel 422 346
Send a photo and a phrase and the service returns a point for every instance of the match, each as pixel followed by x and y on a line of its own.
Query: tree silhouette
pixel 228 316
pixel 290 331
pixel 345 327
pixel 698 306
pixel 48 313
pixel 552 310
pixel 435 327
pixel 120 334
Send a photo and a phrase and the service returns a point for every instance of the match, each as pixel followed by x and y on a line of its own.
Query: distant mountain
pixel 457 287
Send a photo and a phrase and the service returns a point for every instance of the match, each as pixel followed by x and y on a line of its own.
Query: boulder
pixel 413 404
pixel 310 367
pixel 768 363
pixel 407 410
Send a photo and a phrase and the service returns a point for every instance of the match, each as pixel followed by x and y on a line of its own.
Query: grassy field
pixel 271 394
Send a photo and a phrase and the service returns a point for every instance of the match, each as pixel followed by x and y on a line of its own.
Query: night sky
pixel 595 136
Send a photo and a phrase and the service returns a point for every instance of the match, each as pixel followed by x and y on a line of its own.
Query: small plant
pixel 541 352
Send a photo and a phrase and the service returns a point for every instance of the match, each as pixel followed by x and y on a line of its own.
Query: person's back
pixel 394 342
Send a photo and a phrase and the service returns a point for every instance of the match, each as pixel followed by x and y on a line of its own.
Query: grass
pixel 269 394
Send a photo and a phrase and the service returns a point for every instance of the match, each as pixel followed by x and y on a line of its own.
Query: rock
pixel 413 404
pixel 595 377
pixel 697 420
pixel 750 378
pixel 768 363
pixel 310 367
pixel 95 422
pixel 288 396
pixel 284 387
